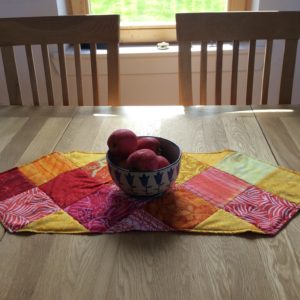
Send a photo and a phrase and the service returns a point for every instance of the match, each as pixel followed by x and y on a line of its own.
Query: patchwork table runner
pixel 224 192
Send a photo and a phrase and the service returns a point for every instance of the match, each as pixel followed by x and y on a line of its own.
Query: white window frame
pixel 148 33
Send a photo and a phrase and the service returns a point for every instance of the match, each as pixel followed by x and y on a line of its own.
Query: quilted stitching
pixel 256 196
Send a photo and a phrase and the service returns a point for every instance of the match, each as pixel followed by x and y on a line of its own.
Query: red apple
pixel 148 143
pixel 122 143
pixel 162 162
pixel 123 164
pixel 142 160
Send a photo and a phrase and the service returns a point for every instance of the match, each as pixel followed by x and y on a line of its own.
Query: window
pixel 154 22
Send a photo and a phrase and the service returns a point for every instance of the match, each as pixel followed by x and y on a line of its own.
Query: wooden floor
pixel 151 265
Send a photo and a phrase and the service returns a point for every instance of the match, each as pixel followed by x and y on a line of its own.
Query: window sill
pixel 147 60
pixel 172 49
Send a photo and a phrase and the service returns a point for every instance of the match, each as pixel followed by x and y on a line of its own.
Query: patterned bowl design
pixel 148 184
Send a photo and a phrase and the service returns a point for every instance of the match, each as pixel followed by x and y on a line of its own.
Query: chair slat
pixel 203 74
pixel 185 74
pixel 113 74
pixel 45 54
pixel 63 74
pixel 266 72
pixel 234 73
pixel 32 75
pixel 219 68
pixel 287 75
pixel 11 75
pixel 251 60
pixel 78 74
pixel 93 48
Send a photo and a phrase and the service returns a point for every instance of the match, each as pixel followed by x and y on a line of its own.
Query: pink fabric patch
pixel 70 187
pixel 266 211
pixel 103 209
pixel 24 208
pixel 12 183
pixel 139 220
pixel 215 186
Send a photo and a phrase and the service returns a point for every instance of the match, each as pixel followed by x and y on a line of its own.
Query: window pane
pixel 153 11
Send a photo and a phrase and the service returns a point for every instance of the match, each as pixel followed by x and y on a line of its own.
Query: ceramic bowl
pixel 150 183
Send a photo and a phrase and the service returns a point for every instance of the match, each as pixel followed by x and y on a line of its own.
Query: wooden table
pixel 151 265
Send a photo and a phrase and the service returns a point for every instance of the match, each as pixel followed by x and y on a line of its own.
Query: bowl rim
pixel 147 172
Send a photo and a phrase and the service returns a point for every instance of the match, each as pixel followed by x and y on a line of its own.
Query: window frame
pixel 152 33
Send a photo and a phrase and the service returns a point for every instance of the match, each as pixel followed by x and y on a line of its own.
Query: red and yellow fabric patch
pixel 224 192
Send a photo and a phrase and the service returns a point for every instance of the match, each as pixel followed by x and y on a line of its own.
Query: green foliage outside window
pixel 139 11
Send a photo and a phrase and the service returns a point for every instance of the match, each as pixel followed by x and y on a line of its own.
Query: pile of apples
pixel 135 153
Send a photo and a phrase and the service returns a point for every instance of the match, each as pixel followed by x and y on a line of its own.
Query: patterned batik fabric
pixel 223 192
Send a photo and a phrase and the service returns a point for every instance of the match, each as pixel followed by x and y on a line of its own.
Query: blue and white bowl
pixel 150 183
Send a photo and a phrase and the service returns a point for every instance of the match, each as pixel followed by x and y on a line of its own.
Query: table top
pixel 139 265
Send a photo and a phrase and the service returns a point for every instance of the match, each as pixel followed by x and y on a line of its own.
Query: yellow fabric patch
pixel 190 167
pixel 58 222
pixel 211 158
pixel 81 158
pixel 224 222
pixel 283 183
pixel 47 168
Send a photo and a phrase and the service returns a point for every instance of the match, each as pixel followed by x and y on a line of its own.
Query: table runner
pixel 223 192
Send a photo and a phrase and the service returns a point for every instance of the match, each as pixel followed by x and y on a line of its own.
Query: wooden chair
pixel 235 27
pixel 60 30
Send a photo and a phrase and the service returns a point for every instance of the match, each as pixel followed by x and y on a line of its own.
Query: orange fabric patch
pixel 47 168
pixel 98 171
pixel 180 209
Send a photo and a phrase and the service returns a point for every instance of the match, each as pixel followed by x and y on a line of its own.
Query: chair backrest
pixel 235 27
pixel 61 30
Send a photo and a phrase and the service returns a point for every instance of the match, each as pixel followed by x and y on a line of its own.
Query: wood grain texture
pixel 266 72
pixel 93 49
pixel 63 74
pixel 234 72
pixel 250 74
pixel 113 71
pixel 219 68
pixel 149 265
pixel 61 30
pixel 185 74
pixel 203 73
pixel 78 74
pixel 46 62
pixel 281 130
pixel 31 68
pixel 288 69
pixel 254 25
pixel 236 27
pixel 9 126
pixel 11 75
pixel 26 134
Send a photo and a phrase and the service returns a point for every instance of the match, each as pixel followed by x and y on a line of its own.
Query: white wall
pixel 146 78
